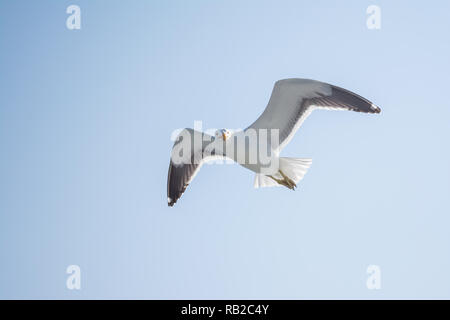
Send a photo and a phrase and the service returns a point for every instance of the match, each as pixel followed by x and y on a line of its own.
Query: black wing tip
pixel 355 101
pixel 372 109
pixel 171 201
pixel 376 109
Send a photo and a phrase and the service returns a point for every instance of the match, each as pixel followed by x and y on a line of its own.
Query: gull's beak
pixel 224 136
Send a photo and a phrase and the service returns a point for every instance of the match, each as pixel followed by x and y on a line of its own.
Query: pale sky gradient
pixel 85 124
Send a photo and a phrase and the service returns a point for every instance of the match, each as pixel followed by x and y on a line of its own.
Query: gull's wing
pixel 189 152
pixel 292 100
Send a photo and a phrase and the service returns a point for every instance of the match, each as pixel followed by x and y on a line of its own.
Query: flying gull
pixel 257 148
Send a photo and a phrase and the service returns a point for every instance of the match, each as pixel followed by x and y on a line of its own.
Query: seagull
pixel 291 102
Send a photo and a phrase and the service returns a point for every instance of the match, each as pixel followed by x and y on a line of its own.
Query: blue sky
pixel 85 123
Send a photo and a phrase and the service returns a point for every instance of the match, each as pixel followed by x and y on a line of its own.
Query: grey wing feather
pixel 292 100
pixel 181 172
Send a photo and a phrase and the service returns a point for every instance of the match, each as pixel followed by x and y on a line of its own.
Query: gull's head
pixel 222 134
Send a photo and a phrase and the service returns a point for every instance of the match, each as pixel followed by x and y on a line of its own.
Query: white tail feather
pixel 294 168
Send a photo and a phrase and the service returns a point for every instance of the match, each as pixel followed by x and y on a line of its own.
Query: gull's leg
pixel 283 182
pixel 288 180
